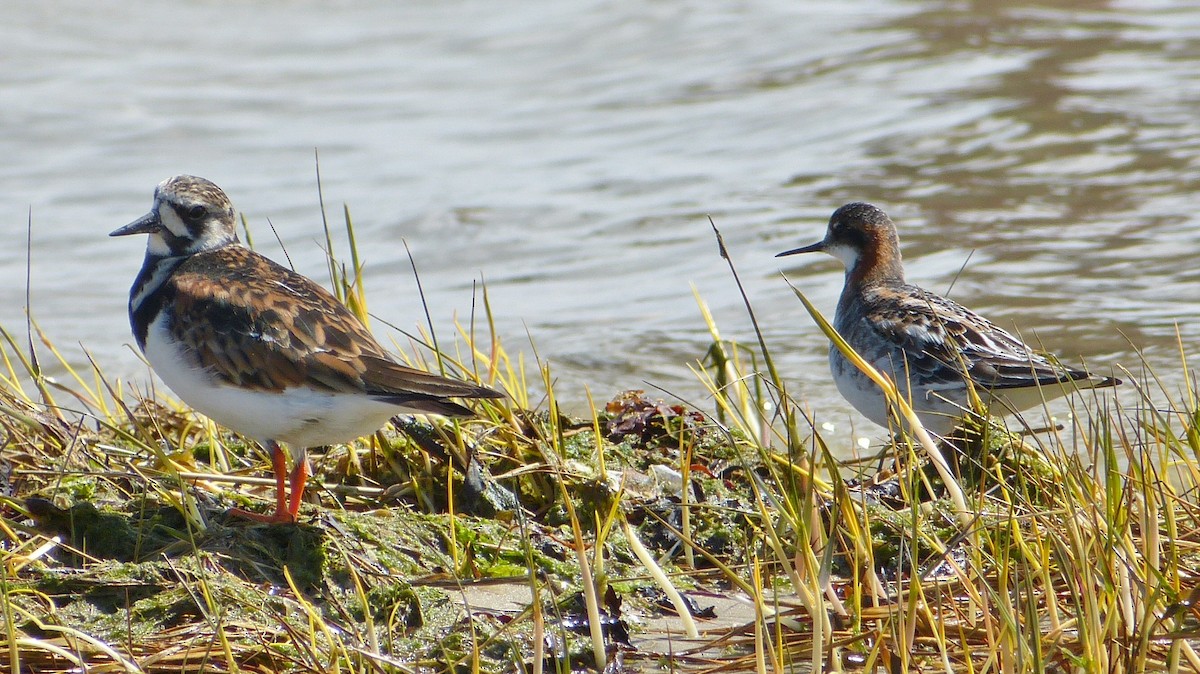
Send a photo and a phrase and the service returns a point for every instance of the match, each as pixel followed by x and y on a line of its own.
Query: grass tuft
pixel 650 534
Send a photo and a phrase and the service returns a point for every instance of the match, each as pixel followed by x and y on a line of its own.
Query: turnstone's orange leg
pixel 297 481
pixel 279 465
pixel 283 514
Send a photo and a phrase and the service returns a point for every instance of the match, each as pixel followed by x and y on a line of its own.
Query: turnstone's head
pixel 863 238
pixel 190 215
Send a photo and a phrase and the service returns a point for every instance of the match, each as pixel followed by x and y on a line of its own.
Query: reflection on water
pixel 569 153
pixel 1072 177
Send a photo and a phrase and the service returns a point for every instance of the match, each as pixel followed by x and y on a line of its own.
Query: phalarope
pixel 933 348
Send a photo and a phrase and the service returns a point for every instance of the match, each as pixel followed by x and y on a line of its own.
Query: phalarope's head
pixel 864 238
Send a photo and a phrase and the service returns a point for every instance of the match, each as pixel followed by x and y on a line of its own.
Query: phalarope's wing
pixel 941 343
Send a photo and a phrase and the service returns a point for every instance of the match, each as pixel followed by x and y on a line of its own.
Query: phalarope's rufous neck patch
pixel 932 347
pixel 260 348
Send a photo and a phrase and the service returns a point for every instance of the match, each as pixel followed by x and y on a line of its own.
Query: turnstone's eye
pixel 195 212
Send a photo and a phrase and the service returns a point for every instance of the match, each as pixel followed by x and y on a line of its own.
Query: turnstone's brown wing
pixel 255 324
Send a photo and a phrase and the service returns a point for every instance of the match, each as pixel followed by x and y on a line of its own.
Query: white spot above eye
pixel 829 427
pixel 864 443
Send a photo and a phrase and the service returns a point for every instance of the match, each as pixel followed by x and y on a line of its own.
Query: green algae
pixel 397 577
pixel 441 581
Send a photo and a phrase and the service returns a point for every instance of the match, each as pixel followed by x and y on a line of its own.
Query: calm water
pixel 568 153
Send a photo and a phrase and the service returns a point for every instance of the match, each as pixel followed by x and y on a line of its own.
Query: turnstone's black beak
pixel 815 248
pixel 147 224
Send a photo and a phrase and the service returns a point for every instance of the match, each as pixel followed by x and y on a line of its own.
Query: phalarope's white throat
pixel 260 348
pixel 933 348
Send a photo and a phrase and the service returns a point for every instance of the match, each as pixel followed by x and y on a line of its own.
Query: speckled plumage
pixel 258 347
pixel 930 345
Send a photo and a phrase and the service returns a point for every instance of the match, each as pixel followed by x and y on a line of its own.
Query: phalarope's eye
pixel 195 212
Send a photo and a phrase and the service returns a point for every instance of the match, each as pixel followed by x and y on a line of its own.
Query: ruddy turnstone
pixel 932 347
pixel 260 348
